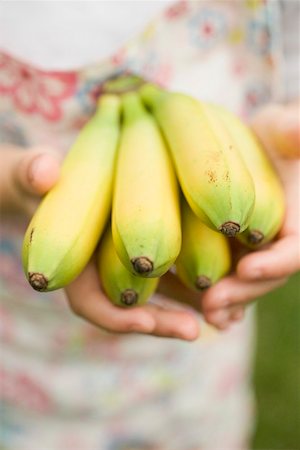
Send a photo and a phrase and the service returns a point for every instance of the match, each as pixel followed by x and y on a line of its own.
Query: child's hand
pixel 88 301
pixel 278 128
pixel 25 176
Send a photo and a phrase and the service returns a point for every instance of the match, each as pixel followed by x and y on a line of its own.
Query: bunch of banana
pixel 126 168
pixel 65 229
pixel 121 286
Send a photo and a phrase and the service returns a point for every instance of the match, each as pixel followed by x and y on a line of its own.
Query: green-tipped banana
pixel 205 254
pixel 211 172
pixel 145 212
pixel 268 212
pixel 121 286
pixel 67 225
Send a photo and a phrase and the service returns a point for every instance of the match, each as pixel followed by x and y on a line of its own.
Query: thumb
pixel 36 171
pixel 278 127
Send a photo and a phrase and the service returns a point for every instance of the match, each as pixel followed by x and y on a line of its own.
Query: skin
pixel 28 175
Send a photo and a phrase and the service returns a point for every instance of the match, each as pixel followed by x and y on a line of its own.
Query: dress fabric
pixel 65 384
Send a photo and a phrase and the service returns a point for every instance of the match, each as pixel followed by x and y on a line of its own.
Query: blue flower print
pixel 259 37
pixel 90 90
pixel 207 28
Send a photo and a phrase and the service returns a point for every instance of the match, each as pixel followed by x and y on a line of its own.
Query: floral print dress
pixel 65 384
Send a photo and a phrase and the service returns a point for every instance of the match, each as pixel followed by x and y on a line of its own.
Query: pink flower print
pixel 20 389
pixel 177 10
pixel 256 94
pixel 118 58
pixel 239 68
pixel 34 91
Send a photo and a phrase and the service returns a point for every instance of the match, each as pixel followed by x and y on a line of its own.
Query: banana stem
pixel 122 83
pixel 151 94
pixel 108 106
pixel 132 106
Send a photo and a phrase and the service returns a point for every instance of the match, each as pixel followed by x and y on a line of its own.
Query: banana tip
pixel 129 297
pixel 255 237
pixel 203 282
pixel 230 229
pixel 142 265
pixel 38 281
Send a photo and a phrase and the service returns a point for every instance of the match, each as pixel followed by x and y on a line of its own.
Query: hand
pixel 259 272
pixel 27 175
pixel 163 318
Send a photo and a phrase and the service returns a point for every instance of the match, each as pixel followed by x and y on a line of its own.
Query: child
pixel 66 384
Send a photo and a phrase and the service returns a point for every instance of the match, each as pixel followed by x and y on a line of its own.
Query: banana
pixel 122 287
pixel 211 172
pixel 205 256
pixel 145 211
pixel 67 225
pixel 267 216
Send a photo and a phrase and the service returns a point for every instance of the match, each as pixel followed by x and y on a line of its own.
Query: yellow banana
pixel 268 212
pixel 66 227
pixel 145 213
pixel 122 287
pixel 205 256
pixel 211 172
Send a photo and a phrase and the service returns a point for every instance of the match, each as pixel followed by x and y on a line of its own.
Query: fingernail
pixel 237 315
pixel 223 326
pixel 255 274
pixel 189 331
pixel 220 317
pixel 37 166
pixel 222 301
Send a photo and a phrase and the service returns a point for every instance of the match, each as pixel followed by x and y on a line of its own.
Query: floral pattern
pixel 207 28
pixel 176 10
pixel 65 383
pixel 34 91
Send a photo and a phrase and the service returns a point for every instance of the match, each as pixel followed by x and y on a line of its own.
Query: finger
pixel 36 171
pixel 88 301
pixel 237 314
pixel 232 290
pixel 224 317
pixel 176 323
pixel 281 259
pixel 278 128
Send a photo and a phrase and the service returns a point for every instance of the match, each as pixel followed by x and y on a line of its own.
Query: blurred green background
pixel 277 369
